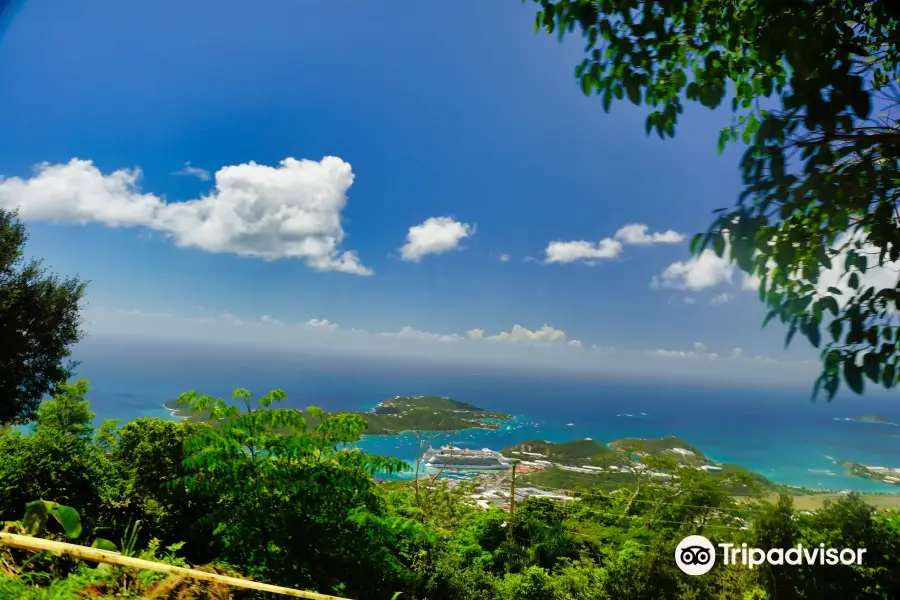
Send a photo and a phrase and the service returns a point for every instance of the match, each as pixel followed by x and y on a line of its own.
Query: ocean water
pixel 777 432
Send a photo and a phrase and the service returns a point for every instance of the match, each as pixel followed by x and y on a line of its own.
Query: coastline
pixel 520 428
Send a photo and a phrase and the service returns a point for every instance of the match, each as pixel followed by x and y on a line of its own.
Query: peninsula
pixel 884 474
pixel 399 414
pixel 588 463
pixel 872 419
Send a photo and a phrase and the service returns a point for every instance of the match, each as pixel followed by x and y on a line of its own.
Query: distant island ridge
pixel 871 419
pixel 398 414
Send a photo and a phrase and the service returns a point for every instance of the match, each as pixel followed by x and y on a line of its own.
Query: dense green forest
pixel 303 510
pixel 396 415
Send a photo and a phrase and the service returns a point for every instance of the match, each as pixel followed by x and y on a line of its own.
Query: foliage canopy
pixel 258 491
pixel 39 322
pixel 814 95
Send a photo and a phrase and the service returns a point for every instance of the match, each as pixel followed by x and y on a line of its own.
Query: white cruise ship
pixel 460 459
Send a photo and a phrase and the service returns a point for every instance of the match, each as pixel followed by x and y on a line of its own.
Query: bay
pixel 777 432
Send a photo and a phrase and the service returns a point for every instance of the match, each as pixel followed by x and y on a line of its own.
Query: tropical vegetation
pixel 260 493
pixel 813 90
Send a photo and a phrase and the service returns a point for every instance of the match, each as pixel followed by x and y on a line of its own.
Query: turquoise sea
pixel 775 431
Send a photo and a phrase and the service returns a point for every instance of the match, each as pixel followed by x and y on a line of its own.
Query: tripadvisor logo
pixel 696 555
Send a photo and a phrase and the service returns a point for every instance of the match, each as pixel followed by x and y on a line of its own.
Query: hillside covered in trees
pixel 303 510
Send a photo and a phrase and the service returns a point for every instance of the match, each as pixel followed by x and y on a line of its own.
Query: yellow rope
pixel 114 558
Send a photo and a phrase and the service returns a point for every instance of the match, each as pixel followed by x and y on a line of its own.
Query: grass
pixel 816 501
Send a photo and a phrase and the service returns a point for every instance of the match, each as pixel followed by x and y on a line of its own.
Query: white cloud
pixel 435 236
pixel 190 171
pixel 504 258
pixel 289 211
pixel 323 324
pixel 636 233
pixel 226 331
pixel 519 334
pixel 736 353
pixel 707 270
pixel 721 299
pixel 885 276
pixel 414 334
pixel 699 351
pixel 269 320
pixel 631 234
pixel 568 252
pixel 703 271
pixel 475 334
pixel 574 343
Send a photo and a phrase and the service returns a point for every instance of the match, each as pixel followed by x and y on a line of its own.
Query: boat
pixel 460 459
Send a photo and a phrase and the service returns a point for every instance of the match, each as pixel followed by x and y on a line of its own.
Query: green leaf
pixel 35 519
pixel 853 374
pixel 862 103
pixel 831 304
pixel 718 244
pixel 38 512
pixel 695 242
pixel 813 334
pixel 888 376
pixel 103 544
pixel 68 517
pixel 872 366
pixel 634 92
pixel 587 84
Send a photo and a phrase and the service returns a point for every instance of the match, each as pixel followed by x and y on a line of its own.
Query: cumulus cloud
pixel 568 252
pixel 475 334
pixel 519 334
pixel 636 233
pixel 188 170
pixel 292 210
pixel 589 252
pixel 323 324
pixel 574 343
pixel 435 236
pixel 504 258
pixel 703 271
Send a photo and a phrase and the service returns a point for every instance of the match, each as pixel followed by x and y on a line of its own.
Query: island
pixel 872 419
pixel 591 464
pixel 884 474
pixel 398 414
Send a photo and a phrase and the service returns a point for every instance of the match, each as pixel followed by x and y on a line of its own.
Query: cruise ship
pixel 460 459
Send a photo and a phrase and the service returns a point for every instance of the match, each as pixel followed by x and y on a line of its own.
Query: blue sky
pixel 438 112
